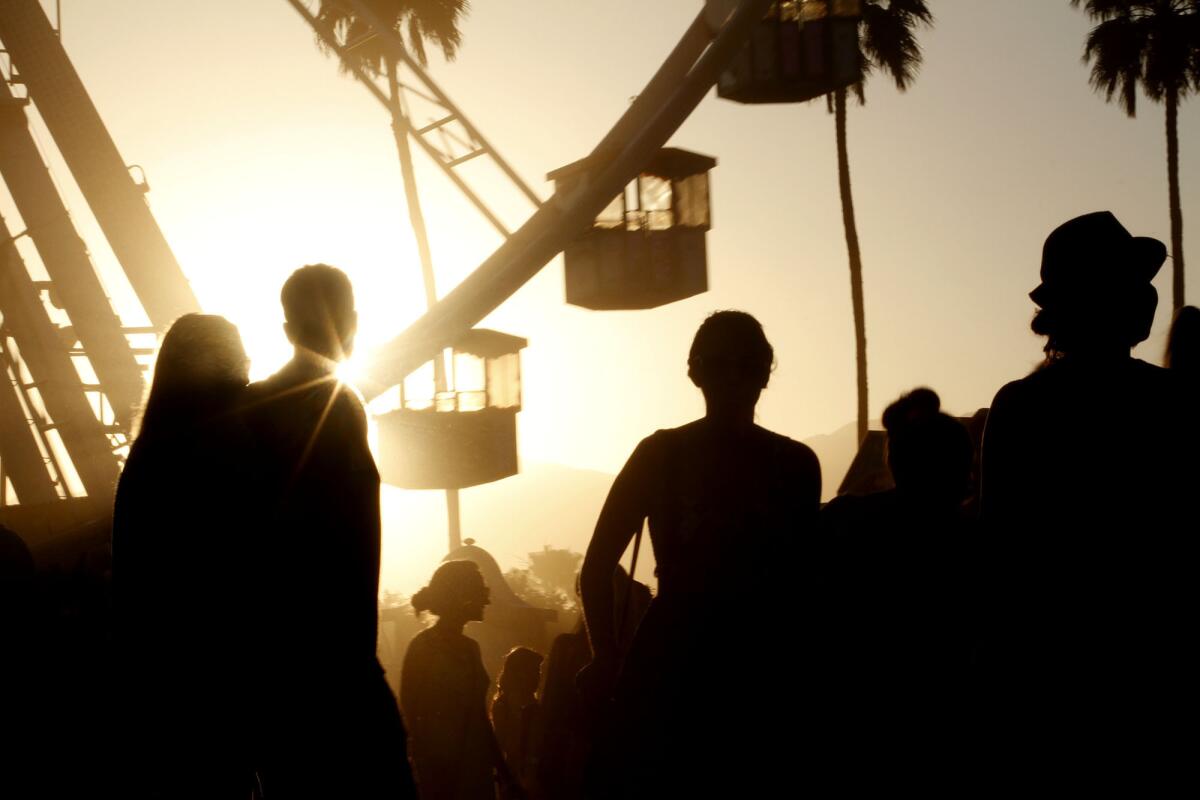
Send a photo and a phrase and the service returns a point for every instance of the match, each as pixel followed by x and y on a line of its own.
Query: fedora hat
pixel 1094 256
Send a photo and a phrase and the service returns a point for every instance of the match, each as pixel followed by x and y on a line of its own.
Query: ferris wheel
pixel 630 218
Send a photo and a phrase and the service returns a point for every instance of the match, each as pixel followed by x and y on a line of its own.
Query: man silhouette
pixel 332 726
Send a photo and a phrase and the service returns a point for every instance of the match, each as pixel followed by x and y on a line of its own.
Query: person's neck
pixel 1097 356
pixel 450 624
pixel 311 358
pixel 729 419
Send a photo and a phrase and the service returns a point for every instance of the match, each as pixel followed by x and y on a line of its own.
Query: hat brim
pixel 1147 255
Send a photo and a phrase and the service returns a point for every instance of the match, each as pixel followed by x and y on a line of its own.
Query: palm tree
pixel 1154 45
pixel 415 21
pixel 887 43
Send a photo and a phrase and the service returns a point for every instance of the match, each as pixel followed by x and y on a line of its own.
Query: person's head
pixel 200 367
pixel 521 673
pixel 1095 295
pixel 456 591
pixel 730 360
pixel 1183 343
pixel 318 309
pixel 930 453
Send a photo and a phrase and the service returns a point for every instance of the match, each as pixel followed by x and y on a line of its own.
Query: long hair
pixel 200 369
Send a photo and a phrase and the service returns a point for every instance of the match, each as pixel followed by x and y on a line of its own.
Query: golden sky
pixel 261 157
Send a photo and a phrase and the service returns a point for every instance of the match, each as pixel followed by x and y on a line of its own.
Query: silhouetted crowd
pixel 1010 620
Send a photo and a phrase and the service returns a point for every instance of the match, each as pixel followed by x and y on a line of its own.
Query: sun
pixel 351 371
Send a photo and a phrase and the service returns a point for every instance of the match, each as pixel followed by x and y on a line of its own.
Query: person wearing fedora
pixel 1083 476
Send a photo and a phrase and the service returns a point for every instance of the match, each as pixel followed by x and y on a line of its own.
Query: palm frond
pixel 1151 45
pixel 1114 48
pixel 889 38
pixel 416 21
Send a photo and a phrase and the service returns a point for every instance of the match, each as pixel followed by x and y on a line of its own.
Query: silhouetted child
pixel 516 713
pixel 729 504
pixel 901 588
pixel 443 693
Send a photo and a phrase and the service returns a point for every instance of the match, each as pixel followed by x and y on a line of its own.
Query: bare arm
pixel 623 515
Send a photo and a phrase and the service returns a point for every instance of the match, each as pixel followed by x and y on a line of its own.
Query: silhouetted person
pixel 1086 494
pixel 569 719
pixel 180 589
pixel 517 714
pixel 900 597
pixel 443 691
pixel 728 504
pixel 331 722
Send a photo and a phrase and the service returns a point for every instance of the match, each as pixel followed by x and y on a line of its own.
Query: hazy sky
pixel 261 157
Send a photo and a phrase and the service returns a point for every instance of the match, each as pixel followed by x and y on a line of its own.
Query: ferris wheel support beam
pixel 55 376
pixel 117 202
pixel 672 94
pixel 20 459
pixel 396 44
pixel 65 258
pixel 400 121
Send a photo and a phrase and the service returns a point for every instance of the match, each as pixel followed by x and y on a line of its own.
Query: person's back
pixel 1097 443
pixel 181 582
pixel 723 509
pixel 732 510
pixel 898 610
pixel 330 721
pixel 323 515
pixel 1085 479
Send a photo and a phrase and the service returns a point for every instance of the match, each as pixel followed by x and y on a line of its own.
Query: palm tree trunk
pixel 856 281
pixel 416 218
pixel 1173 189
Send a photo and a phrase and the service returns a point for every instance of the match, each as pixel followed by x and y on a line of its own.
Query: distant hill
pixel 835 450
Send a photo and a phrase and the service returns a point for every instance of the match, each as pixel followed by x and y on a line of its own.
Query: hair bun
pixel 420 600
pixel 919 405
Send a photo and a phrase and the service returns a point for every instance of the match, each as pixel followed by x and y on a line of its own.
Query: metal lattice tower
pixel 70 379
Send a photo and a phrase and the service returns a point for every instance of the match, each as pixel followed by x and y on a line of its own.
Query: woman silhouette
pixel 443 692
pixel 181 561
pixel 728 503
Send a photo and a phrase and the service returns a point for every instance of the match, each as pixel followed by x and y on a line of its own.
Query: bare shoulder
pixel 791 453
